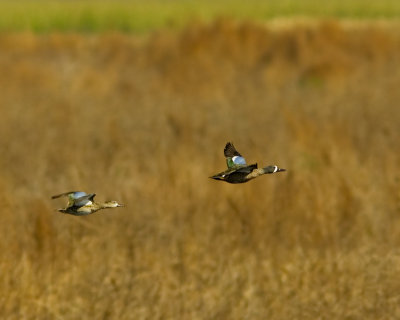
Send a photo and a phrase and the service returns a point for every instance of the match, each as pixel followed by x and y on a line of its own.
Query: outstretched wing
pixel 233 157
pixel 83 201
pixel 76 198
pixel 70 194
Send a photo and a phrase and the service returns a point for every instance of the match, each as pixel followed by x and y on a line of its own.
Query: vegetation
pixel 143 16
pixel 145 122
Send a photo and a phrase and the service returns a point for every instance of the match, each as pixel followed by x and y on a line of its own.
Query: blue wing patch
pixel 238 160
pixel 78 194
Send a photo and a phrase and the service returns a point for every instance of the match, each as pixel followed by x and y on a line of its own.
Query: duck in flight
pixel 81 203
pixel 238 171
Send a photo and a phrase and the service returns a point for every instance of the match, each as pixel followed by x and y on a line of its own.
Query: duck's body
pixel 238 171
pixel 81 204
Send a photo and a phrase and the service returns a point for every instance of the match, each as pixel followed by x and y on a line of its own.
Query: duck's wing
pixel 87 199
pixel 241 169
pixel 72 196
pixel 233 158
pixel 246 169
pixel 69 194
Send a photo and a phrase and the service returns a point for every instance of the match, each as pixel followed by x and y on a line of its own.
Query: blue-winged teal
pixel 81 204
pixel 238 171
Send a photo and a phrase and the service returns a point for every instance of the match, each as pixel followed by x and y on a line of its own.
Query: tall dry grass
pixel 144 121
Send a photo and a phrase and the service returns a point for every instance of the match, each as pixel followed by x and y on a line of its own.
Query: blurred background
pixel 135 101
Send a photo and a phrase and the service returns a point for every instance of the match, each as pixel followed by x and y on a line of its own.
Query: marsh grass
pixel 144 122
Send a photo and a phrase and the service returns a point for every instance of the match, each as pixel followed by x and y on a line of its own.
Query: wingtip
pixel 230 150
pixel 63 194
pixel 229 145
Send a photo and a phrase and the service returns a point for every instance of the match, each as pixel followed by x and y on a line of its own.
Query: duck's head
pixel 113 204
pixel 273 169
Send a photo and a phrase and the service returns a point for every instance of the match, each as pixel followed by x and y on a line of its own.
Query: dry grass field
pixel 143 120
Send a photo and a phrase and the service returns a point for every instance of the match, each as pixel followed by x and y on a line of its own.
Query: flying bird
pixel 238 171
pixel 81 203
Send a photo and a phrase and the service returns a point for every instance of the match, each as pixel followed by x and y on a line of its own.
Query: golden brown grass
pixel 144 122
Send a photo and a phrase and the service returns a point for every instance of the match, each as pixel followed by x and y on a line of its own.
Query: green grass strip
pixel 144 16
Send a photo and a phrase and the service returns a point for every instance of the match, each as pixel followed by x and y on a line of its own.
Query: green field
pixel 142 16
